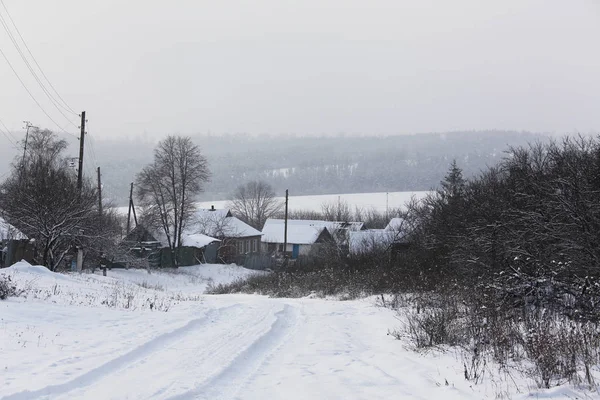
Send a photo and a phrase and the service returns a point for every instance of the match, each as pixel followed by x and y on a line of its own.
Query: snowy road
pixel 246 347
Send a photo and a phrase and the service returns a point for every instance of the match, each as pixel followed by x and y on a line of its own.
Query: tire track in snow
pixel 187 363
pixel 130 357
pixel 227 383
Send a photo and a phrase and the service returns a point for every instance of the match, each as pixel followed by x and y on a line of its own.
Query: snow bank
pixel 38 284
pixel 24 267
pixel 131 289
pixel 193 279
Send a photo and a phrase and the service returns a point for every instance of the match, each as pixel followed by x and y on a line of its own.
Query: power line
pixel 64 104
pixel 35 76
pixel 8 131
pixel 8 138
pixel 92 149
pixel 32 96
pixel 6 135
pixel 91 144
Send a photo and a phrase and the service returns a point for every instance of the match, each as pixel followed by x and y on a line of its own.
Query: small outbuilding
pixel 14 245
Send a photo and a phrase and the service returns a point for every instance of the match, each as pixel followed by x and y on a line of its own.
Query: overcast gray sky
pixel 308 67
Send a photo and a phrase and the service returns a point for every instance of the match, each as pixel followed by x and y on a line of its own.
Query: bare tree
pixel 219 226
pixel 254 202
pixel 336 210
pixel 167 188
pixel 41 199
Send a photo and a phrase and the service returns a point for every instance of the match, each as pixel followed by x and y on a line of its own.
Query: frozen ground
pixel 93 337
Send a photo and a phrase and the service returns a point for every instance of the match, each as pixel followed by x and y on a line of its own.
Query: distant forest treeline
pixel 315 165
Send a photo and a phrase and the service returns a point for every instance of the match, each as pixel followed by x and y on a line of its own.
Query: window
pixel 255 243
pixel 240 246
pixel 248 249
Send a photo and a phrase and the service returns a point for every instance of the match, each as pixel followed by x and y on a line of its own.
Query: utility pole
pixel 27 126
pixel 81 140
pixel 387 212
pixel 133 209
pixel 129 211
pixel 285 224
pixel 99 195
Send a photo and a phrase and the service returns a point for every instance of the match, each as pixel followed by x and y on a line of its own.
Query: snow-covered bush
pixel 7 287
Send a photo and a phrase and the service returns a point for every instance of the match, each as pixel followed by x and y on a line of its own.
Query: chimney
pixel 212 208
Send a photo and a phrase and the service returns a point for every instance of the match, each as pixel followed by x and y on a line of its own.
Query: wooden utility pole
pixel 387 212
pixel 27 126
pixel 100 221
pixel 133 209
pixel 129 211
pixel 99 195
pixel 285 223
pixel 81 141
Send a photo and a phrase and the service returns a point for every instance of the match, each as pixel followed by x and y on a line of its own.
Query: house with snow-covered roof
pixel 303 236
pixel 152 245
pixel 237 237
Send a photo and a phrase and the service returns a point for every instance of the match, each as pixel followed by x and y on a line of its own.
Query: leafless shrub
pixel 7 287
pixel 560 350
pixel 433 325
pixel 155 286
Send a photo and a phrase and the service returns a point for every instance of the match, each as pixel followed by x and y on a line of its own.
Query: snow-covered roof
pixel 197 240
pixel 221 223
pixel 7 231
pixel 299 231
pixel 238 226
pixel 305 231
pixel 212 213
pixel 366 241
pixel 395 224
pixel 189 239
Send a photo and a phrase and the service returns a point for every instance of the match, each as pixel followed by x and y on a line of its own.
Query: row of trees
pixel 523 232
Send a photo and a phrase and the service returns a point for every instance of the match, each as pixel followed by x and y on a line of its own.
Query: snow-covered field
pixel 92 337
pixel 367 201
